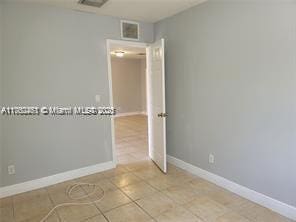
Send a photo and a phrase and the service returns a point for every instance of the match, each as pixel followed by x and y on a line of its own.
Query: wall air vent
pixel 130 30
pixel 94 3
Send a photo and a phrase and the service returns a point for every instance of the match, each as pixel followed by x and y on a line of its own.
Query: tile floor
pixel 136 191
pixel 131 135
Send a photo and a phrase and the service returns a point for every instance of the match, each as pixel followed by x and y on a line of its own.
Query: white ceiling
pixel 139 10
pixel 129 52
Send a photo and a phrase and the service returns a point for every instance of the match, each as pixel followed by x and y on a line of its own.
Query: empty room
pixel 147 111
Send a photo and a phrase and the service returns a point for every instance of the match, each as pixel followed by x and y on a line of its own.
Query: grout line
pixel 135 201
pixel 106 218
pixel 88 218
pixel 107 211
pixel 132 201
pixel 13 208
pixel 144 210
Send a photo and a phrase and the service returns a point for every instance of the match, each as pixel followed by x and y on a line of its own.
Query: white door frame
pixel 124 43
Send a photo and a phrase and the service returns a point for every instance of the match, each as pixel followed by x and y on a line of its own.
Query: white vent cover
pixel 130 30
pixel 95 3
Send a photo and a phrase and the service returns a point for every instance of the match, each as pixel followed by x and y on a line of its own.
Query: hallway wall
pixel 129 85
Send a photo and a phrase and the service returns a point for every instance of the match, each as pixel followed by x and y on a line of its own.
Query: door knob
pixel 162 115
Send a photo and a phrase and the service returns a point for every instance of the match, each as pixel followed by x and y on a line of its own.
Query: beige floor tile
pixel 6 210
pixel 115 172
pixel 131 139
pixel 125 179
pixel 107 185
pixel 112 200
pixel 156 204
pixel 31 209
pixel 29 196
pixel 77 213
pixel 60 186
pixel 99 218
pixel 147 174
pixel 161 182
pixel 180 194
pixel 121 150
pixel 6 214
pixel 179 179
pixel 6 202
pixel 257 213
pixel 52 218
pixel 31 205
pixel 101 187
pixel 94 178
pixel 177 214
pixel 203 187
pixel 141 165
pixel 92 193
pixel 128 213
pixel 172 169
pixel 227 198
pixel 138 190
pixel 231 217
pixel 59 195
pixel 205 208
pixel 126 158
pixel 140 155
pixel 186 176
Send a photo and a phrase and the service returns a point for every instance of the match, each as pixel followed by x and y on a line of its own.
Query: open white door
pixel 156 104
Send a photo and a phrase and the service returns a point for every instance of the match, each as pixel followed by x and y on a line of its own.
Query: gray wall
pixel 1 87
pixel 231 77
pixel 55 56
pixel 127 84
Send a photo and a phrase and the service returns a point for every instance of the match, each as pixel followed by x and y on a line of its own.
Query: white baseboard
pixel 54 179
pixel 130 114
pixel 261 199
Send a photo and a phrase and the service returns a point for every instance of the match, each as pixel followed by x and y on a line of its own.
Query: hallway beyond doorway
pixel 131 135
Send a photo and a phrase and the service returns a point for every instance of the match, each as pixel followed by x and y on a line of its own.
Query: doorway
pixel 137 92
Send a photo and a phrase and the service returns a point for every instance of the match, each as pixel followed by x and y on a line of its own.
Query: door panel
pixel 156 100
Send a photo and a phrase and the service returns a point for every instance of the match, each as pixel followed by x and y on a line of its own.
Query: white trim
pixel 54 179
pixel 261 199
pixel 109 42
pixel 131 22
pixel 127 43
pixel 130 114
pixel 148 98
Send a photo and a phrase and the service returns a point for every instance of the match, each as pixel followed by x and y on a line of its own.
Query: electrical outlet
pixel 211 158
pixel 11 170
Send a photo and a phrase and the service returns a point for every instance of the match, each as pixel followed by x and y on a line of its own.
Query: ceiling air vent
pixel 95 3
